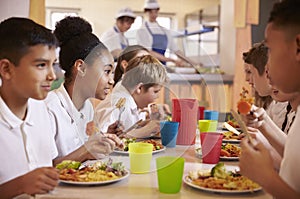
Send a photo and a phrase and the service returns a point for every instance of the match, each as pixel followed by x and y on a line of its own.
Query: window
pixel 54 15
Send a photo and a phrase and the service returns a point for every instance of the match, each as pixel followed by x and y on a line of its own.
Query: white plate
pixel 127 153
pixel 224 158
pixel 234 141
pixel 188 181
pixel 96 182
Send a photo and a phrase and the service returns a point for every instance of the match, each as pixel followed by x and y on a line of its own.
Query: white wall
pixel 14 8
pixel 101 12
pixel 227 37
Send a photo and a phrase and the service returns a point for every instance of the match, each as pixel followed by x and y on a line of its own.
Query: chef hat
pixel 151 4
pixel 125 12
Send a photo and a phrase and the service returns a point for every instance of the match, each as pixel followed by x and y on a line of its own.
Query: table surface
pixel 145 185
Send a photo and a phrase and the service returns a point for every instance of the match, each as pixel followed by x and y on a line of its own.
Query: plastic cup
pixel 207 125
pixel 140 155
pixel 200 115
pixel 211 115
pixel 169 173
pixel 211 147
pixel 169 131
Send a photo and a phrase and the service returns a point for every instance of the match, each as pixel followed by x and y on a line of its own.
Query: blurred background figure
pixel 157 38
pixel 114 38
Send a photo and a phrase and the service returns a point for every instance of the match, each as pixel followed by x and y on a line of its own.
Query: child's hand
pixel 99 145
pixel 255 162
pixel 255 118
pixel 148 129
pixel 115 128
pixel 40 181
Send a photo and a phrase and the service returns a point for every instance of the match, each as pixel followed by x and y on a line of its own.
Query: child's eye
pixel 41 65
pixel 107 71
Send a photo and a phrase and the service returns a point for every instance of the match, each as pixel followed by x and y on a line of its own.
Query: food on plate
pixel 232 122
pixel 126 142
pixel 220 178
pixel 121 102
pixel 96 172
pixel 230 150
pixel 156 144
pixel 245 102
pixel 228 135
pixel 68 164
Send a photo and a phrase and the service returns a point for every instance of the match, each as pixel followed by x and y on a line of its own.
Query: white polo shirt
pixel 277 112
pixel 106 112
pixel 70 123
pixel 144 37
pixel 289 170
pixel 25 145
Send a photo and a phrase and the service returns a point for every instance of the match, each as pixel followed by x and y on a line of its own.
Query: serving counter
pixel 214 91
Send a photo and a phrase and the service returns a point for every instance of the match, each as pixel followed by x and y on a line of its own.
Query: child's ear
pixel 139 87
pixel 5 69
pixel 298 47
pixel 124 65
pixel 80 67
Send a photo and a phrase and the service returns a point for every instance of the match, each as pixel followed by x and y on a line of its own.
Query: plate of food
pixel 230 152
pixel 230 137
pixel 220 180
pixel 98 173
pixel 157 146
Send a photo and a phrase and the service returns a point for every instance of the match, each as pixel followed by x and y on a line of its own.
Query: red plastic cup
pixel 200 115
pixel 211 147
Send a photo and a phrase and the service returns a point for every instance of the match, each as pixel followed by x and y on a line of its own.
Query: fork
pixel 121 109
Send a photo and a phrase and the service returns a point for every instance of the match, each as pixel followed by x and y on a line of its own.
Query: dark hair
pixel 286 14
pixel 76 41
pixel 147 9
pixel 258 57
pixel 127 54
pixel 17 35
pixel 262 101
pixel 125 19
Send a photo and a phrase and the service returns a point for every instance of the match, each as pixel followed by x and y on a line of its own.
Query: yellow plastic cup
pixel 140 155
pixel 207 125
pixel 169 173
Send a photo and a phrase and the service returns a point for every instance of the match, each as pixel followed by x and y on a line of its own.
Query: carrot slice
pixel 244 107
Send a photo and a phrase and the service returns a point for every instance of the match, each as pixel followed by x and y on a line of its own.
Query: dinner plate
pixel 189 182
pixel 233 141
pixel 96 182
pixel 127 153
pixel 224 158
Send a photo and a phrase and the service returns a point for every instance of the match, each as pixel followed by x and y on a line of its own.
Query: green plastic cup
pixel 169 173
pixel 140 155
pixel 207 125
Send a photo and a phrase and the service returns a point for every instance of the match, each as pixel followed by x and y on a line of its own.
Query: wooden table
pixel 145 185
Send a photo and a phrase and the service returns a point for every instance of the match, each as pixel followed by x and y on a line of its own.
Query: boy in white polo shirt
pixel 27 54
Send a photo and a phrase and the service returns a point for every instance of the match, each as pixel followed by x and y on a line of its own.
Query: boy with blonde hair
pixel 140 86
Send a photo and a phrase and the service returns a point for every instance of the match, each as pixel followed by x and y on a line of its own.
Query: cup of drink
pixel 140 155
pixel 211 143
pixel 211 115
pixel 207 125
pixel 169 173
pixel 169 131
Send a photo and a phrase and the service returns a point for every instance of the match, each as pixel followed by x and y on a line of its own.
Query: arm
pixel 98 146
pixel 38 181
pixel 264 174
pixel 258 118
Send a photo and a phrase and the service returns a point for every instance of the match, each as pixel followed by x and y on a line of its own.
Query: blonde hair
pixel 146 70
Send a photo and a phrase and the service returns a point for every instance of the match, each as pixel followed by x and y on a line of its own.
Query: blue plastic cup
pixel 169 131
pixel 211 115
